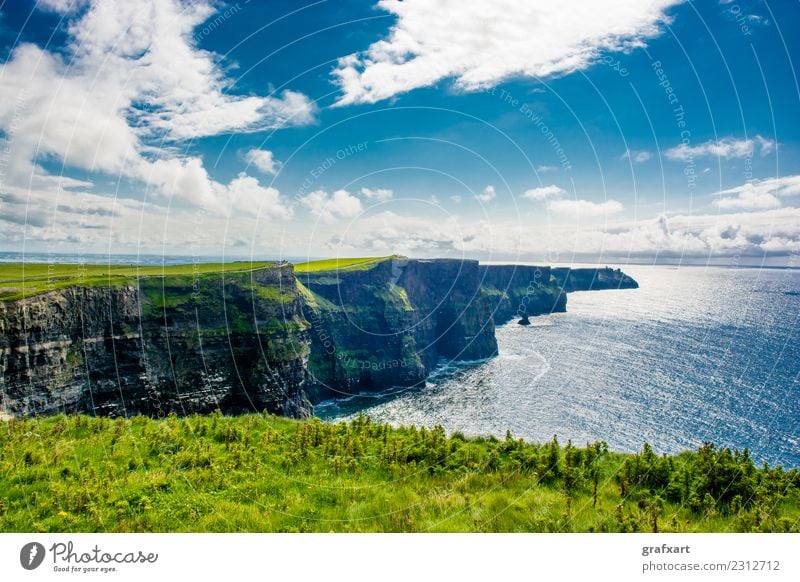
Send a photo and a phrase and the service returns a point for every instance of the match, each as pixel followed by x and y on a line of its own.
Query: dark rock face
pixel 53 345
pixel 390 325
pixel 521 291
pixel 177 344
pixel 590 279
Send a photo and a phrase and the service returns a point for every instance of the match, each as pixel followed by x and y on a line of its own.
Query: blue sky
pixel 642 131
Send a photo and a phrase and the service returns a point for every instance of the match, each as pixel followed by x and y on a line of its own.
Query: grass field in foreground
pixel 18 280
pixel 351 264
pixel 259 473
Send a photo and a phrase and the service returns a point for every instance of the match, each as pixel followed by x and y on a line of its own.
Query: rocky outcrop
pixel 521 291
pixel 592 279
pixel 393 323
pixel 179 344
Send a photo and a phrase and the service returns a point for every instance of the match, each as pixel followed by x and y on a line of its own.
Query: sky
pixel 609 131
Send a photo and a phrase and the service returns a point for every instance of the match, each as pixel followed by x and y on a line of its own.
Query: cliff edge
pixel 592 279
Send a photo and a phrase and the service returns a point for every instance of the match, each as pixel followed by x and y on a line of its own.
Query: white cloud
pixel 479 44
pixel 263 160
pixel 697 237
pixel 330 208
pixel 487 195
pixel 147 48
pixel 636 156
pixel 584 208
pixel 759 194
pixel 544 193
pixel 130 78
pixel 727 147
pixel 456 198
pixel 183 179
pixel 49 222
pixel 749 200
pixel 61 6
pixel 395 232
pixel 693 238
pixel 247 195
pixel 378 194
pixel 543 169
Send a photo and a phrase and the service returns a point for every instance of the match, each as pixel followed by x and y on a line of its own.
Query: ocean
pixel 695 354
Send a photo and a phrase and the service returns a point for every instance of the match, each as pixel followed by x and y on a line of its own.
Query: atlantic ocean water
pixel 695 354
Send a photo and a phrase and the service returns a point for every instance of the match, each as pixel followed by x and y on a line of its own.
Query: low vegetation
pixel 260 473
pixel 352 264
pixel 19 280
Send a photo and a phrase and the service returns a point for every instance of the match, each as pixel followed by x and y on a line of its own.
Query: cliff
pixel 592 279
pixel 392 323
pixel 521 291
pixel 184 344
pixel 259 339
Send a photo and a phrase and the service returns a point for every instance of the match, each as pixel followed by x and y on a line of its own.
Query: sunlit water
pixel 693 355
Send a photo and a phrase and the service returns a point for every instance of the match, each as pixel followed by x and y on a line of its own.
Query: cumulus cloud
pixel 378 194
pixel 688 237
pixel 487 195
pixel 636 156
pixel 34 215
pixel 759 194
pixel 147 48
pixel 553 195
pixel 479 44
pixel 393 232
pixel 263 160
pixel 61 6
pixel 42 221
pixel 248 196
pixel 749 199
pixel 129 80
pixel 584 208
pixel 544 193
pixel 727 147
pixel 331 207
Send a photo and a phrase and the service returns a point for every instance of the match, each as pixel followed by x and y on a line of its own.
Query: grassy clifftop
pixel 342 264
pixel 259 473
pixel 20 280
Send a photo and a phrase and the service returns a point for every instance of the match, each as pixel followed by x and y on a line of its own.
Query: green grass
pixel 352 264
pixel 19 280
pixel 260 473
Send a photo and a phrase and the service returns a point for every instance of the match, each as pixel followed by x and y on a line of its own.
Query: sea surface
pixel 695 354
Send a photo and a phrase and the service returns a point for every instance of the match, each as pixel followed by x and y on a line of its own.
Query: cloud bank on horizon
pixel 116 138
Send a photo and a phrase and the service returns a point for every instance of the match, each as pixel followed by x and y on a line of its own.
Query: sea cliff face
pixel 592 279
pixel 390 325
pixel 263 339
pixel 520 291
pixel 178 344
